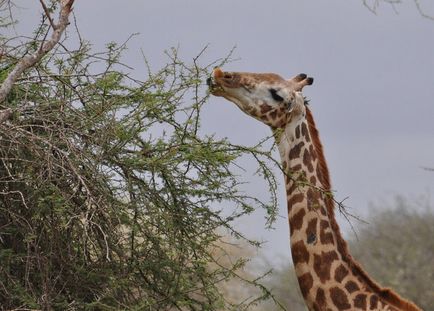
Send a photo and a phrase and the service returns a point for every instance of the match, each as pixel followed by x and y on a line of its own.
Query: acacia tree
pixel 109 196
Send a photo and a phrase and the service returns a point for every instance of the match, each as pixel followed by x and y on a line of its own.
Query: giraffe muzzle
pixel 213 85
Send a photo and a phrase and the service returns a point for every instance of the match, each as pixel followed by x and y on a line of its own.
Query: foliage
pixel 110 198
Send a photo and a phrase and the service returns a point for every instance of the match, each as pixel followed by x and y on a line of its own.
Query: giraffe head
pixel 264 96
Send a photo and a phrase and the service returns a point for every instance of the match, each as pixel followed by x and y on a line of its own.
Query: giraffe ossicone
pixel 330 279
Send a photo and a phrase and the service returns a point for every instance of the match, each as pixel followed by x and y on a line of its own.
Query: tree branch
pixel 30 60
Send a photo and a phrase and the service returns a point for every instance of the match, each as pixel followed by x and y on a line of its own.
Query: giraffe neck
pixel 329 278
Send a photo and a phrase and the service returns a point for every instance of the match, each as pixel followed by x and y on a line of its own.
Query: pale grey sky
pixel 374 80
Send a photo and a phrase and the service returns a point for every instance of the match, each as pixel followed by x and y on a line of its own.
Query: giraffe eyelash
pixel 275 96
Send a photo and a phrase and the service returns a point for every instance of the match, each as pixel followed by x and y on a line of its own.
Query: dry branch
pixel 30 60
pixel 373 5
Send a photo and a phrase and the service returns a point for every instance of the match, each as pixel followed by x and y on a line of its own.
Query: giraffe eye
pixel 276 96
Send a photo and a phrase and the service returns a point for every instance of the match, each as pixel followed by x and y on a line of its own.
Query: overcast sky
pixel 374 80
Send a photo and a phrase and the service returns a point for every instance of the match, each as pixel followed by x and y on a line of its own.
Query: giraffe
pixel 329 277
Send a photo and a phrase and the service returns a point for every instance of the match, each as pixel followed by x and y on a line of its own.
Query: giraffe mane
pixel 385 294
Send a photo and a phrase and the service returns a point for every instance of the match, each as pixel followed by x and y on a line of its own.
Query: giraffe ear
pixel 300 81
pixel 217 72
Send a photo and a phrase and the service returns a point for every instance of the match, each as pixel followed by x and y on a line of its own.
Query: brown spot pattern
pixel 295 151
pixel 296 222
pixel 322 264
pixel 265 108
pixel 305 282
pixel 325 237
pixel 273 114
pixel 311 227
pixel 297 131
pixel 312 199
pixel 312 152
pixel 307 160
pixel 294 199
pixel 312 180
pixel 320 299
pixel 296 168
pixel 323 211
pixel 305 132
pixel 291 186
pixel 340 273
pixel 373 302
pixel 360 301
pixel 299 253
pixel 281 110
pixel 281 123
pixel 339 298
pixel 351 286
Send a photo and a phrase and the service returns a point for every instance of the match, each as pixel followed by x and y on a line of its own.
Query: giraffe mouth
pixel 211 83
pixel 214 87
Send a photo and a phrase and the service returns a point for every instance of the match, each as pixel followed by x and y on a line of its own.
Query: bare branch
pixel 30 60
pixel 421 11
pixel 47 13
pixel 373 5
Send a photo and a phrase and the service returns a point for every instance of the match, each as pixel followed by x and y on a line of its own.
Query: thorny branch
pixel 29 61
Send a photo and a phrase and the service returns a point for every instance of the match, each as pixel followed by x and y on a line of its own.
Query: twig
pixel 376 3
pixel 47 13
pixel 15 192
pixel 421 11
pixel 347 215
